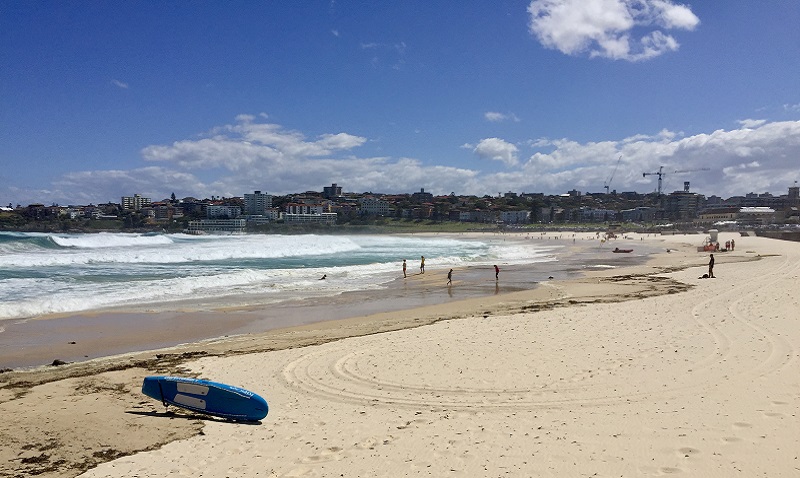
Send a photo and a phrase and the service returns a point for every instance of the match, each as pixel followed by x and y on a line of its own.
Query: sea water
pixel 43 274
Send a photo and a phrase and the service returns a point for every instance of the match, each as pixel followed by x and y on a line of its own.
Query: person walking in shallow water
pixel 404 268
pixel 422 265
pixel 711 266
pixel 450 277
pixel 496 272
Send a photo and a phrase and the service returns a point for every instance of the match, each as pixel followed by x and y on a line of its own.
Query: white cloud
pixel 496 117
pixel 758 159
pixel 395 52
pixel 119 84
pixel 243 145
pixel 247 156
pixel 498 150
pixel 100 186
pixel 608 28
pixel 751 123
pixel 259 156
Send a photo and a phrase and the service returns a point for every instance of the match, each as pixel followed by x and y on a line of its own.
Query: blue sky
pixel 103 99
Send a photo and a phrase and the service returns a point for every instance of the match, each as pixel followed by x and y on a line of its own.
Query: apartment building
pixel 257 204
pixel 135 202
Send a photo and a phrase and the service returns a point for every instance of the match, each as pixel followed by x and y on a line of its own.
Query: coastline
pixel 106 389
pixel 74 337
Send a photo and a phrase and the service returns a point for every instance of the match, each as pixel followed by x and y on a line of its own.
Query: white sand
pixel 702 383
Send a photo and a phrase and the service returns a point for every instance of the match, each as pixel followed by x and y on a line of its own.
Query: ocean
pixel 45 274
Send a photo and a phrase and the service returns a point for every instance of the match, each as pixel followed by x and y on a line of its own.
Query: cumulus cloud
pixel 760 158
pixel 617 29
pixel 264 156
pixel 246 156
pixel 245 144
pixel 498 150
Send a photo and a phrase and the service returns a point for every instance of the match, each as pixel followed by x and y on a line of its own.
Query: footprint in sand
pixel 668 470
pixel 688 451
pixel 742 425
pixel 774 414
pixel 330 454
pixel 731 439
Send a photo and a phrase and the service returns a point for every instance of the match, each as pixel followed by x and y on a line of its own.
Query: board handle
pixel 161 392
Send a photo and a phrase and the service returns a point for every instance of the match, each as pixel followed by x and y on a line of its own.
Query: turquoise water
pixel 44 274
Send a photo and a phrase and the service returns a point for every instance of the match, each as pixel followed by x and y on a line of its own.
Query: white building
pixel 257 204
pixel 217 226
pixel 298 208
pixel 371 206
pixel 227 212
pixel 328 218
pixel 515 217
pixel 756 215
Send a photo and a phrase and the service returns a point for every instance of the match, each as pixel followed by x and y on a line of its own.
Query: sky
pixel 103 99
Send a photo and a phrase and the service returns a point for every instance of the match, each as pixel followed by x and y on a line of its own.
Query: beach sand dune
pixel 684 376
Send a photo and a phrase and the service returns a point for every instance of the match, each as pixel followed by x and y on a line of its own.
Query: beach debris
pixel 58 362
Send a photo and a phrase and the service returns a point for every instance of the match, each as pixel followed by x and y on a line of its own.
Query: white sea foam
pixel 61 273
pixel 108 240
pixel 131 249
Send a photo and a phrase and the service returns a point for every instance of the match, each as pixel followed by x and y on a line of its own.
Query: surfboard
pixel 207 397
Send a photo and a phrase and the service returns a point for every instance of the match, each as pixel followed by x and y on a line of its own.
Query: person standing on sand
pixel 450 277
pixel 711 266
pixel 422 265
pixel 404 268
pixel 733 244
pixel 496 272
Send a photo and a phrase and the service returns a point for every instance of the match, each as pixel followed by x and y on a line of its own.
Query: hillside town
pixel 252 212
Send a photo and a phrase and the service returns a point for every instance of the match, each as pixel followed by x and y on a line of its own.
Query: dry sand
pixel 643 372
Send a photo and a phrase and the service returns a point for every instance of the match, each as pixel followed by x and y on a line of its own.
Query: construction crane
pixel 608 181
pixel 660 173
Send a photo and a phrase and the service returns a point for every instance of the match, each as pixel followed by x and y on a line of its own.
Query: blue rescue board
pixel 203 396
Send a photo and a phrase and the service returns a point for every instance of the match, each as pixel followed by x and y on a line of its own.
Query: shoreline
pixel 75 337
pixel 111 382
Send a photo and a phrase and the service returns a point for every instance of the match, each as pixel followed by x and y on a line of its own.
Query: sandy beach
pixel 648 370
